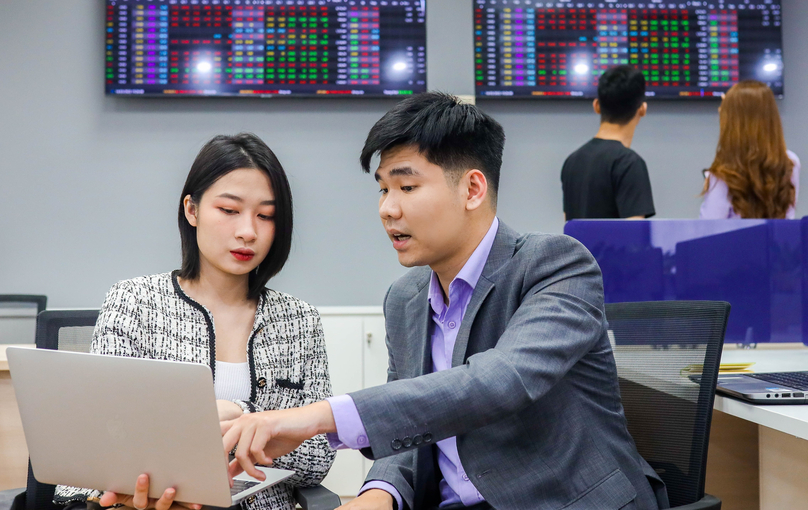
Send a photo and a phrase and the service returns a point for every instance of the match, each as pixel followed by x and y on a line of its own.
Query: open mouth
pixel 400 237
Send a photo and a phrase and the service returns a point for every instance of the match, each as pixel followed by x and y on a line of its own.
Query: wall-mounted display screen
pixel 265 47
pixel 527 48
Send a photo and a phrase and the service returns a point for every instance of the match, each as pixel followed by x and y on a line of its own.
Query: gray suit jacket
pixel 532 396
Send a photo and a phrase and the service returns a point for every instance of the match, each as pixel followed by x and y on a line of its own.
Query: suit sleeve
pixel 117 330
pixel 559 319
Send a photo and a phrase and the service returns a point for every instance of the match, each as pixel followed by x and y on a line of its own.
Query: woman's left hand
pixel 140 499
pixel 228 410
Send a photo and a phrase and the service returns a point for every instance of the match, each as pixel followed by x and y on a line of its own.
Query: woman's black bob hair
pixel 218 157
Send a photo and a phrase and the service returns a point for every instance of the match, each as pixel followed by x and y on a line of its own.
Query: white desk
pixel 758 455
pixel 13 451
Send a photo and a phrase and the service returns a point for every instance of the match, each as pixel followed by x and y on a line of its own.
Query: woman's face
pixel 234 222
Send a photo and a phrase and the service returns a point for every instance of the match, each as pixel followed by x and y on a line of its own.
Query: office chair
pixel 40 301
pixel 72 330
pixel 668 354
pixel 15 332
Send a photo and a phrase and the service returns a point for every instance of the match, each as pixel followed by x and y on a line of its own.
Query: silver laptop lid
pixel 99 421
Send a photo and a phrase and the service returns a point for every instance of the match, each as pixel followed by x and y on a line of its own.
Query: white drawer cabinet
pixel 357 358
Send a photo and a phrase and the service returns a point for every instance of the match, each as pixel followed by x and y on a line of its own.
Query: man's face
pixel 423 213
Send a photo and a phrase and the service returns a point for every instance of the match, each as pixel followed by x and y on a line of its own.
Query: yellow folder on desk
pixel 724 368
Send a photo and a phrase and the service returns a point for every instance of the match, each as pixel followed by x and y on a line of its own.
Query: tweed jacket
pixel 151 317
pixel 532 395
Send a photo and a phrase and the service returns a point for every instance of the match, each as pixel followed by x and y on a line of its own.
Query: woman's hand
pixel 228 410
pixel 140 499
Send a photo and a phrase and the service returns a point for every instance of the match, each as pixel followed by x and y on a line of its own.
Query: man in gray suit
pixel 502 387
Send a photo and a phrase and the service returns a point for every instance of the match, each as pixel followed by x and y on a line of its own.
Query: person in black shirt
pixel 605 178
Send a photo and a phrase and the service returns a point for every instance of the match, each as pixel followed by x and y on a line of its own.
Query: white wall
pixel 89 184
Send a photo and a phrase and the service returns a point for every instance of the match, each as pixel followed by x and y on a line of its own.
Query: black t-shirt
pixel 605 179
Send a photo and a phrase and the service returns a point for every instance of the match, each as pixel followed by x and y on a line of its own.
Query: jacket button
pixel 427 437
pixel 417 439
pixel 251 500
pixel 407 442
pixel 395 445
pixel 262 382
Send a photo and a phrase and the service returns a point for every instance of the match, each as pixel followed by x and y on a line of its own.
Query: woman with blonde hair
pixel 753 174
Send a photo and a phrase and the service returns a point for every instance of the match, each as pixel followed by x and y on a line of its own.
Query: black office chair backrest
pixel 18 315
pixel 64 330
pixel 668 354
pixel 40 301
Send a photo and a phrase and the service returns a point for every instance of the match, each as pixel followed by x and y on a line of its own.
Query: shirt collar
pixel 471 271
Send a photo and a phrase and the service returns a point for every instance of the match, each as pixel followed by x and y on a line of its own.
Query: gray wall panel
pixel 90 183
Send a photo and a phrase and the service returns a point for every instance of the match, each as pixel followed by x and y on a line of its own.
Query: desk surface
pixel 4 359
pixel 790 419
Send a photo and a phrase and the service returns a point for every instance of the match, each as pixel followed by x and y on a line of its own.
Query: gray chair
pixel 668 355
pixel 72 330
pixel 18 317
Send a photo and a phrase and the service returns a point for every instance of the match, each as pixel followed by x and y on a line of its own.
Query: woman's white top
pixel 232 381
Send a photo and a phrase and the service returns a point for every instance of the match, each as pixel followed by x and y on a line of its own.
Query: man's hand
pixel 140 499
pixel 261 437
pixel 374 499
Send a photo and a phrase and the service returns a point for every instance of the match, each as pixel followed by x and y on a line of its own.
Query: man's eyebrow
pixel 239 199
pixel 400 171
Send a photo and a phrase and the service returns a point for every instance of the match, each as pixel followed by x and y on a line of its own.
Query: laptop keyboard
pixel 241 485
pixel 796 380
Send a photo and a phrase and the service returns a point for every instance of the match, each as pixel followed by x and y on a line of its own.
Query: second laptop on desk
pixel 766 388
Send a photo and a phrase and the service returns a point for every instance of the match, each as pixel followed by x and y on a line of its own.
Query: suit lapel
pixel 418 342
pixel 501 252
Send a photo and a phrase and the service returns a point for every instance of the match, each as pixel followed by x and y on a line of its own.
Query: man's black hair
pixel 621 92
pixel 219 157
pixel 453 135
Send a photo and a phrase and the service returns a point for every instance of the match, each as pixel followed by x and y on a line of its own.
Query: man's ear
pixel 190 210
pixel 476 187
pixel 596 106
pixel 643 110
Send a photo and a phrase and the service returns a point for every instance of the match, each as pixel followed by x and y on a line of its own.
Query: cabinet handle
pixel 369 337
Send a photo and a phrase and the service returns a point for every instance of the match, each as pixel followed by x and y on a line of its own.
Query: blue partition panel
pixel 755 265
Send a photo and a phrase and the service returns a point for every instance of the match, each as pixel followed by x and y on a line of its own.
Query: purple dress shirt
pixel 718 206
pixel 455 487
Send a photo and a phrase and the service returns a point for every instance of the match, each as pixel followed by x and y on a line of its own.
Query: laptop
pixel 100 421
pixel 766 388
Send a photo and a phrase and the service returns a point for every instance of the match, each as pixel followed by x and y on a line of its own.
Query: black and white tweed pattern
pixel 151 317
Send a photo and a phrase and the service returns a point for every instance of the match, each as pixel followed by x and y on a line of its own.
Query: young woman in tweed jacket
pixel 265 348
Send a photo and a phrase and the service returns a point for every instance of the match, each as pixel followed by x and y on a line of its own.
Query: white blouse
pixel 232 381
